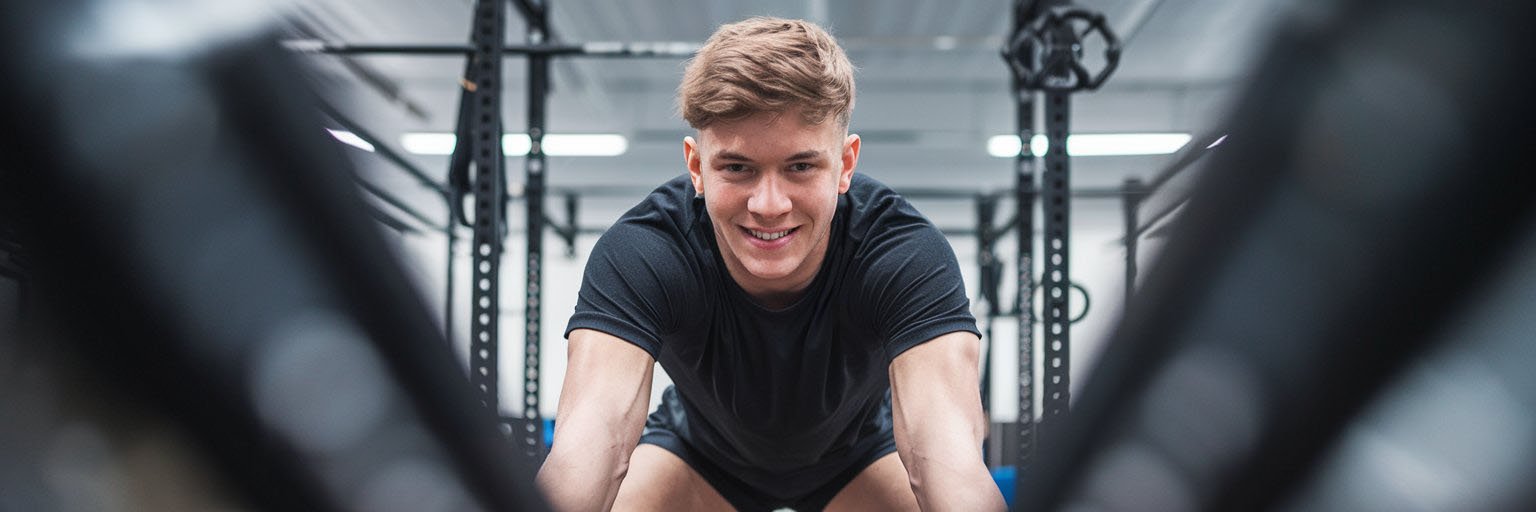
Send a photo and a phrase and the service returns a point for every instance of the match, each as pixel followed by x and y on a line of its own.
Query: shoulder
pixel 655 233
pixel 874 209
pixel 881 220
pixel 667 210
pixel 869 199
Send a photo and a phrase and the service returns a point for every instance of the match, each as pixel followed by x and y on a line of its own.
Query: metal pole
pixel 538 92
pixel 1132 205
pixel 389 221
pixel 1024 201
pixel 384 150
pixel 484 144
pixel 1056 204
pixel 571 200
pixel 448 288
pixel 395 202
pixel 657 49
pixel 986 257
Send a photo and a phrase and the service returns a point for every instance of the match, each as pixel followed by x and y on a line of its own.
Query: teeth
pixel 763 235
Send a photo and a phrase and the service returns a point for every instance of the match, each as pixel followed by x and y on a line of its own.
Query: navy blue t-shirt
pixel 775 392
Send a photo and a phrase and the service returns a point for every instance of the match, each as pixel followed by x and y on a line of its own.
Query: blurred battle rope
pixel 201 256
pixel 1365 221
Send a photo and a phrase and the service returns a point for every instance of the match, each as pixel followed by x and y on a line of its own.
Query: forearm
pixel 945 467
pixel 939 425
pixel 953 483
pixel 584 469
pixel 602 411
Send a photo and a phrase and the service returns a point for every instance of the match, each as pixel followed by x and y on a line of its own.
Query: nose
pixel 768 197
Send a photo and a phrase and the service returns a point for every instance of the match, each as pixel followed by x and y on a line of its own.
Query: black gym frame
pixel 477 169
pixel 1043 51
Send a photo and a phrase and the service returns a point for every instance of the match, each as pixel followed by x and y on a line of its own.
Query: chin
pixel 770 270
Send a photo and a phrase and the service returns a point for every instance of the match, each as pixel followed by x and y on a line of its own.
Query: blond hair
pixel 765 64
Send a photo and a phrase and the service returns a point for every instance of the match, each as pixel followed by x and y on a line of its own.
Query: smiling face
pixel 770 183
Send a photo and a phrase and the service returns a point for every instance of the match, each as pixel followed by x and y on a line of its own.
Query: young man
pixel 814 324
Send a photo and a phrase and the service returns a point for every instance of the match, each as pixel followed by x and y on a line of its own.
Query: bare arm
pixel 606 394
pixel 936 406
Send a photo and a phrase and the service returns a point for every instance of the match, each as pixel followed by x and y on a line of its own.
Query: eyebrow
pixel 738 157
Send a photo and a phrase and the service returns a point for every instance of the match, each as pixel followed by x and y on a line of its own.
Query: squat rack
pixel 1043 51
pixel 478 168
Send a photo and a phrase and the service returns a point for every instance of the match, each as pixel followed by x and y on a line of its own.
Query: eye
pixel 734 168
pixel 801 167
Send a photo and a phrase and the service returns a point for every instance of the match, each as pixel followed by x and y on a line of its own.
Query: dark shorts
pixel 758 495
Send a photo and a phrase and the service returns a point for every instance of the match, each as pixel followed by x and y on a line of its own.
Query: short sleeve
pixel 912 285
pixel 636 285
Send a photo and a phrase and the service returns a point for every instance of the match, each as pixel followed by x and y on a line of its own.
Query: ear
pixel 695 166
pixel 850 160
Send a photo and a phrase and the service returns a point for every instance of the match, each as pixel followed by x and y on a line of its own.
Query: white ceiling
pixel 931 87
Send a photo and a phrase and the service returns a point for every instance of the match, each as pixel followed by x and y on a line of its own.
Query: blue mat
pixel 1004 476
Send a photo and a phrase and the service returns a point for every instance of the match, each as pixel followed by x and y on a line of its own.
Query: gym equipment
pixel 1322 253
pixel 203 259
pixel 1304 293
pixel 478 133
pixel 1043 54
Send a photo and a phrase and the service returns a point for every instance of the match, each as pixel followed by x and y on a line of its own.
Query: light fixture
pixel 427 143
pixel 584 144
pixel 351 139
pixel 518 144
pixel 1093 144
pixel 1004 146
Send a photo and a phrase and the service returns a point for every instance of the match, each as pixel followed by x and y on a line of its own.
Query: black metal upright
pixel 987 268
pixel 1131 203
pixel 449 274
pixel 1024 188
pixel 1044 53
pixel 482 126
pixel 537 14
pixel 1024 201
pixel 1056 186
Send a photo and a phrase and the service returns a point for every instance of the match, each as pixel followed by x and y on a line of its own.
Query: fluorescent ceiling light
pixel 1004 146
pixel 585 144
pixel 1218 142
pixel 351 139
pixel 427 143
pixel 518 144
pixel 1094 144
